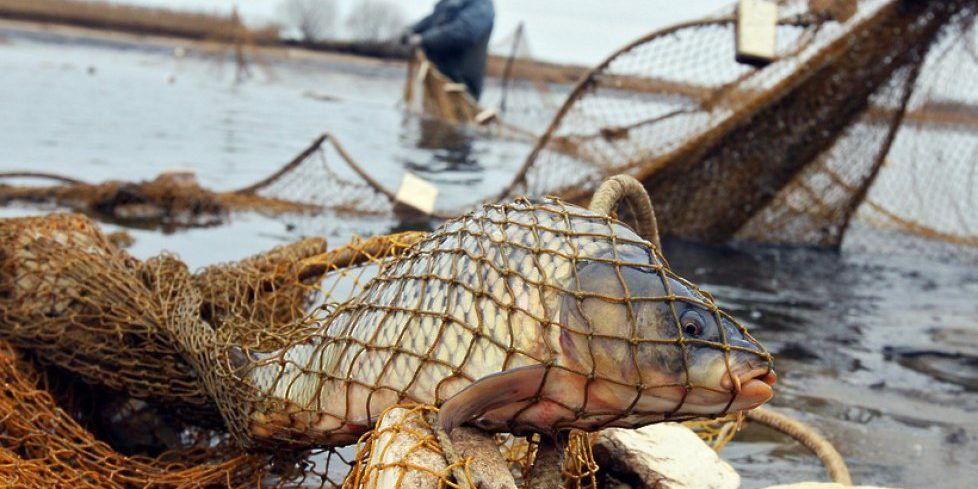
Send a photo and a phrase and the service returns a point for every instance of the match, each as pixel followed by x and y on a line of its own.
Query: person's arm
pixel 472 22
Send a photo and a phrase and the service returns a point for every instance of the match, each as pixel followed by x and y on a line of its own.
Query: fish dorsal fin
pixel 499 389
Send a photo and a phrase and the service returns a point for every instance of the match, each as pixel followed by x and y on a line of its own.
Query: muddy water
pixel 881 353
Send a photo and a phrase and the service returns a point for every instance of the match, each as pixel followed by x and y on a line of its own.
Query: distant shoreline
pixel 94 18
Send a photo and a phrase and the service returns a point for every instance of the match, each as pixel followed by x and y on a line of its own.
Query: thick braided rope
pixel 625 189
pixel 807 436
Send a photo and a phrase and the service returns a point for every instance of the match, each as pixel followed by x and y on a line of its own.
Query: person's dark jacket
pixel 455 37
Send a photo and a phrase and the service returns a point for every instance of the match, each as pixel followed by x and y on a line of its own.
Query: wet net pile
pixel 862 127
pixel 297 351
pixel 171 200
pixel 322 177
pixel 861 122
pixel 85 310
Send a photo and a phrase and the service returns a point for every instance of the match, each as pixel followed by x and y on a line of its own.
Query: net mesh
pixel 42 446
pixel 322 177
pixel 862 129
pixel 526 91
pixel 80 305
pixel 529 290
pixel 833 136
pixel 172 199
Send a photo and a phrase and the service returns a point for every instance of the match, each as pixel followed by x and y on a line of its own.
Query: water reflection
pixel 878 352
pixel 852 335
pixel 449 148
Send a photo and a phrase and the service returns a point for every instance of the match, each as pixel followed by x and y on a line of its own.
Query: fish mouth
pixel 752 388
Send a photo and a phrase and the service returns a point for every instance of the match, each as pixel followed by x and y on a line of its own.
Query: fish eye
pixel 692 324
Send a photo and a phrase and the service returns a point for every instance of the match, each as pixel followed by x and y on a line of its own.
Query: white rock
pixel 665 455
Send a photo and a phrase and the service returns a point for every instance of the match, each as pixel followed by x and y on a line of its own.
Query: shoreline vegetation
pixel 228 28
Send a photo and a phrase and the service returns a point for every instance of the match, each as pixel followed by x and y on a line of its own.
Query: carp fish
pixel 523 317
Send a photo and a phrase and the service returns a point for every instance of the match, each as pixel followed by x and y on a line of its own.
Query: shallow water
pixel 879 352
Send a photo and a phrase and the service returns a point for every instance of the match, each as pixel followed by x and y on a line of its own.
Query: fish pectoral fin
pixel 499 389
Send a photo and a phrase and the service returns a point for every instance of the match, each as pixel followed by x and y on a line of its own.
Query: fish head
pixel 623 341
pixel 652 346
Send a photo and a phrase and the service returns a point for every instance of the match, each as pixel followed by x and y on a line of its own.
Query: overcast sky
pixel 560 30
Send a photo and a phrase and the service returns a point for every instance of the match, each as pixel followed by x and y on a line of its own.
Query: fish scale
pixel 481 295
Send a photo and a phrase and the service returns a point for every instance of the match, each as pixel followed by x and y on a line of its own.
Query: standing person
pixel 455 37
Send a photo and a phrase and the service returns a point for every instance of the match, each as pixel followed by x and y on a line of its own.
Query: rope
pixel 807 436
pixel 299 158
pixel 546 473
pixel 626 189
pixel 34 174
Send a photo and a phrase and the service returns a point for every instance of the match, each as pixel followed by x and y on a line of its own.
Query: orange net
pixel 93 312
pixel 42 446
pixel 297 349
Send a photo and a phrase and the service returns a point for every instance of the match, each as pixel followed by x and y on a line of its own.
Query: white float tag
pixel 417 193
pixel 757 30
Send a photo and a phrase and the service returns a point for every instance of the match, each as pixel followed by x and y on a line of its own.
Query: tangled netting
pixel 584 324
pixel 862 122
pixel 172 199
pixel 91 311
pixel 862 128
pixel 202 364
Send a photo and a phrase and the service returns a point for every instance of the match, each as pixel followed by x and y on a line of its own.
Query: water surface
pixel 879 352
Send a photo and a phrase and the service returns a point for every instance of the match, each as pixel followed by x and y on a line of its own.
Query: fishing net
pixel 861 122
pixel 78 302
pixel 104 306
pixel 321 178
pixel 88 307
pixel 861 129
pixel 500 290
pixel 172 199
pixel 429 93
pixel 88 310
pixel 42 446
pixel 521 92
